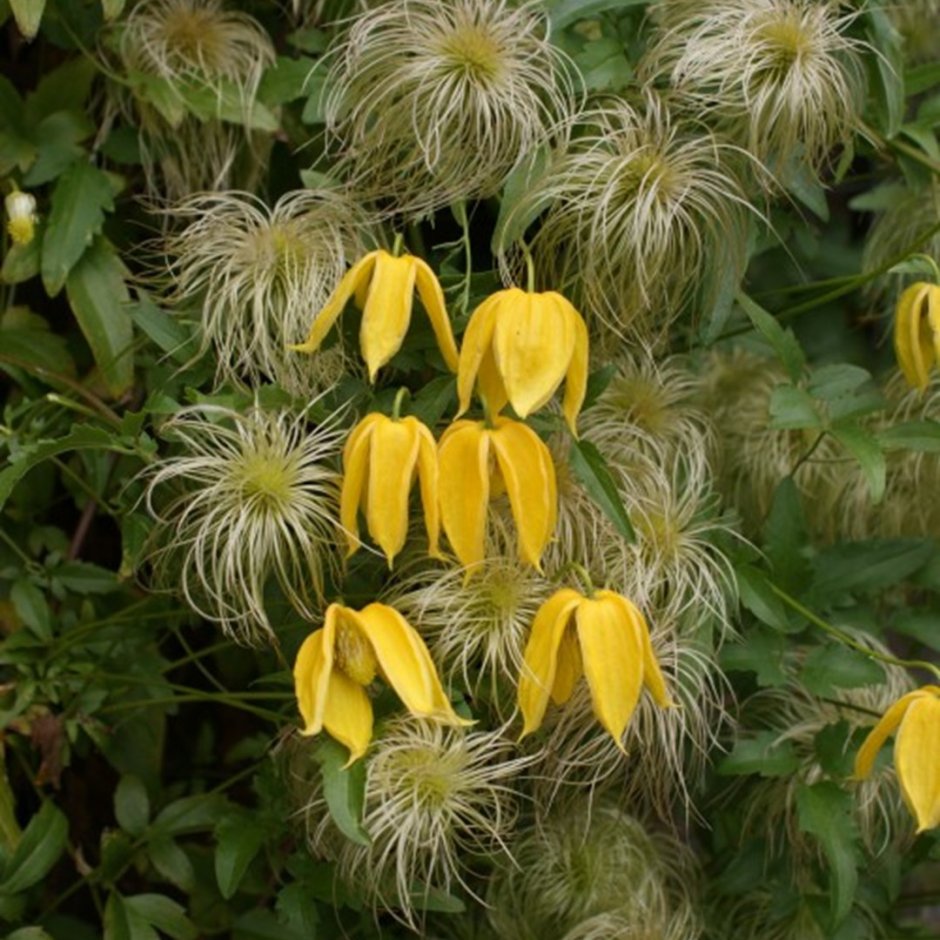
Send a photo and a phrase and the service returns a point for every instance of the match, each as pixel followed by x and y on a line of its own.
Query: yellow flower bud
pixel 21 216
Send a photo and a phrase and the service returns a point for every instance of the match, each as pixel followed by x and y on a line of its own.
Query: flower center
pixel 353 654
pixel 787 39
pixel 474 52
pixel 193 35
pixel 430 775
pixel 267 481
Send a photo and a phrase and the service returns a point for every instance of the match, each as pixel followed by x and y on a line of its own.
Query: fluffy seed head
pixel 258 273
pixel 781 76
pixel 635 211
pixel 249 498
pixel 435 101
pixel 584 867
pixel 436 798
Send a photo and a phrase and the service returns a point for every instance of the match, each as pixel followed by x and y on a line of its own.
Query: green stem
pixel 398 244
pixel 584 575
pixel 933 264
pixel 850 641
pixel 396 406
pixel 529 267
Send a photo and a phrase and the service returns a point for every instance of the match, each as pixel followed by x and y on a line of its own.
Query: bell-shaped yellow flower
pixel 606 638
pixel 381 458
pixel 473 461
pixel 916 718
pixel 917 332
pixel 519 345
pixel 335 663
pixel 384 287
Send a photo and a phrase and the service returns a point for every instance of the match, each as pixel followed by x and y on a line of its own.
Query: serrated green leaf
pixel 122 923
pixel 39 849
pixel 99 299
pixel 826 812
pixel 286 80
pixel 868 566
pixel 172 862
pixel 238 841
pixel 762 754
pixel 923 436
pixel 434 399
pixel 163 913
pixel 65 88
pixel 758 597
pixel 864 447
pixel 82 577
pixel 760 652
pixel 837 380
pixel 511 223
pixel 79 202
pixel 829 668
pixel 190 814
pixel 783 341
pixel 591 469
pixel 785 536
pixel 32 608
pixel 343 788
pixel 792 408
pixel 58 145
pixel 131 805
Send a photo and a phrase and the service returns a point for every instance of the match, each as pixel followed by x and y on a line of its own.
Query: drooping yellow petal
pixel 392 455
pixel 613 662
pixel 917 760
pixel 428 478
pixel 432 299
pixel 540 659
pixel 464 484
pixel 912 336
pixel 405 662
pixel 312 670
pixel 357 275
pixel 532 344
pixel 355 473
pixel 652 674
pixel 576 379
pixel 476 341
pixel 529 474
pixel 865 759
pixel 933 318
pixel 347 716
pixel 570 668
pixel 387 310
pixel 490 386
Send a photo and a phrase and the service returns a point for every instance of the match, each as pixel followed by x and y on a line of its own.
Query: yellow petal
pixel 570 668
pixel 933 318
pixel 912 340
pixel 392 457
pixel 355 472
pixel 405 662
pixel 348 715
pixel 917 760
pixel 540 660
pixel 387 310
pixel 432 299
pixel 464 484
pixel 532 345
pixel 613 662
pixel 312 670
pixel 865 759
pixel 652 674
pixel 352 279
pixel 576 379
pixel 490 384
pixel 428 478
pixel 529 474
pixel 476 341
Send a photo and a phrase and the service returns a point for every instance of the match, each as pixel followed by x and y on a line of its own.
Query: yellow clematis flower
pixel 380 460
pixel 384 287
pixel 21 216
pixel 519 345
pixel 473 460
pixel 917 332
pixel 916 717
pixel 604 636
pixel 336 663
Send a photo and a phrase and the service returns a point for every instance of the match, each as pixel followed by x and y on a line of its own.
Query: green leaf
pixel 58 143
pixel 28 16
pixel 562 13
pixel 591 469
pixel 511 223
pixel 190 814
pixel 32 608
pixel 833 667
pixel 434 399
pixel 785 537
pixel 762 754
pixel 172 862
pixel 297 910
pixel 286 80
pixel 20 263
pixel 82 577
pixel 343 789
pixel 123 923
pixel 131 805
pixel 79 201
pixel 65 88
pixel 923 436
pixel 784 343
pixel 761 652
pixel 29 933
pixel 239 839
pixel 792 408
pixel 804 185
pixel 758 597
pixel 163 913
pixel 863 446
pixel 826 812
pixel 39 849
pixel 259 924
pixel 112 9
pixel 889 63
pixel 99 299
pixel 868 566
pixel 835 381
pixel 84 437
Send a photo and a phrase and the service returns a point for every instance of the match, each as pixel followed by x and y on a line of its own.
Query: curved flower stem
pixel 398 244
pixel 583 574
pixel 396 405
pixel 849 640
pixel 932 262
pixel 529 267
